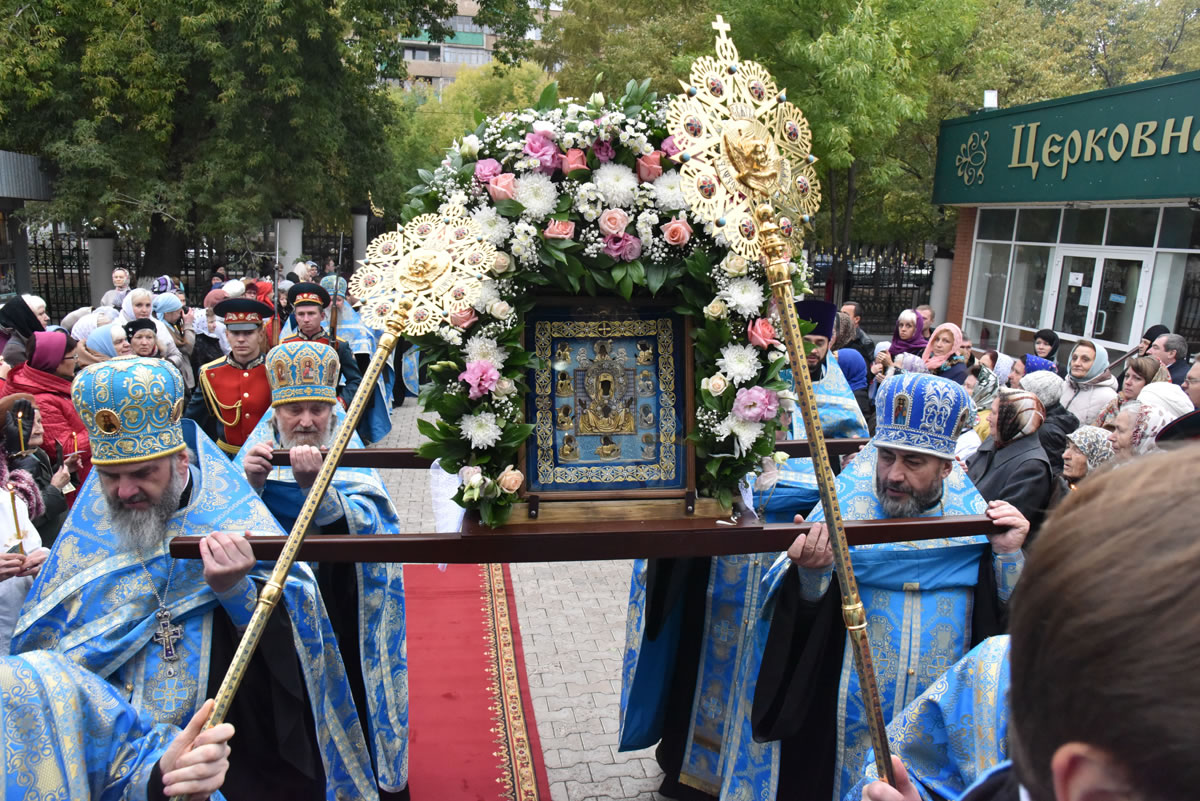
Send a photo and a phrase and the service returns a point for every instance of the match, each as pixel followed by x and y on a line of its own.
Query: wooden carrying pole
pixel 776 256
pixel 270 593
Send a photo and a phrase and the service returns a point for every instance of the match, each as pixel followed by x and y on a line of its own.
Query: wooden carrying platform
pixel 615 530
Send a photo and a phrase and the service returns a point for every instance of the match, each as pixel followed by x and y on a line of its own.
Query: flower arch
pixel 584 198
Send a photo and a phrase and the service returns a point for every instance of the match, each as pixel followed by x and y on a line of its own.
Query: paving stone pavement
pixel 574 672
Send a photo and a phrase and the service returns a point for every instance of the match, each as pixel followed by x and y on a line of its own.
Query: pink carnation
pixel 481 376
pixel 486 170
pixel 542 148
pixel 756 404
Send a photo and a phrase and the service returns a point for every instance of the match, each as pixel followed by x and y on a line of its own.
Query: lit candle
pixel 21 429
pixel 75 442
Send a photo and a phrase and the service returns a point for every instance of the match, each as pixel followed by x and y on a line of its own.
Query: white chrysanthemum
pixel 667 194
pixel 487 294
pixel 537 194
pixel 496 228
pixel 617 183
pixel 451 335
pixel 481 347
pixel 738 362
pixel 745 433
pixel 480 430
pixel 744 296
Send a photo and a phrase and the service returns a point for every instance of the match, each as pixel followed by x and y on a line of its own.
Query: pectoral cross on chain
pixel 167 634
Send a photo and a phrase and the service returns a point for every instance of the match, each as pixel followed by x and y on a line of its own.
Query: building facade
pixel 1080 214
pixel 438 63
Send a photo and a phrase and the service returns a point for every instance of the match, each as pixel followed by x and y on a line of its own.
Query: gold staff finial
pixel 747 168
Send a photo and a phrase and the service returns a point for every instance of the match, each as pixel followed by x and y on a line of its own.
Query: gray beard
pixel 287 442
pixel 143 530
pixel 910 505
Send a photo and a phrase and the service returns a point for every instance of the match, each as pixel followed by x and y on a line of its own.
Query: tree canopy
pixel 211 116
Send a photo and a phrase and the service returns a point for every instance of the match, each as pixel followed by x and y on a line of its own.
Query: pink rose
pixel 574 159
pixel 502 187
pixel 612 222
pixel 510 479
pixel 631 248
pixel 756 404
pixel 481 376
pixel 463 318
pixel 649 167
pixel 677 232
pixel 486 170
pixel 761 333
pixel 540 147
pixel 603 150
pixel 560 229
pixel 669 147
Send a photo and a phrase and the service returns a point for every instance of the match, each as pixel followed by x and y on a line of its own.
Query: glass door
pixel 1099 294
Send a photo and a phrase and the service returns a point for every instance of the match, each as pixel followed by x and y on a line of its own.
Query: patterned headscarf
pixel 1035 363
pixel 1003 367
pixel 1093 443
pixel 1148 420
pixel 934 362
pixel 911 363
pixel 985 391
pixel 1168 397
pixel 1020 414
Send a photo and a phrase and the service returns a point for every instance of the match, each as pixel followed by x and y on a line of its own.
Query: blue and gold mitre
pixel 131 407
pixel 303 371
pixel 920 413
pixel 335 285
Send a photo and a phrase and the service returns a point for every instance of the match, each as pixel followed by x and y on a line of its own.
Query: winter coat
pixel 1087 400
pixel 1053 434
pixel 37 464
pixel 1018 473
pixel 52 393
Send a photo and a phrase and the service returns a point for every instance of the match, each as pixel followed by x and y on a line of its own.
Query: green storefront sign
pixel 1136 142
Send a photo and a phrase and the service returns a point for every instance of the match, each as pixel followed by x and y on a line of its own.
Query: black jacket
pixel 1053 435
pixel 37 464
pixel 1179 371
pixel 864 345
pixel 1018 473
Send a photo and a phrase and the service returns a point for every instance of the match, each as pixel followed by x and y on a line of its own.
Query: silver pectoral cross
pixel 167 634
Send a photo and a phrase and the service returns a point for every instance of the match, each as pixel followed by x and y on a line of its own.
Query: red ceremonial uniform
pixel 237 397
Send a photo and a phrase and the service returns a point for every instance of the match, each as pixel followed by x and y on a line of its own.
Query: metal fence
pixel 884 279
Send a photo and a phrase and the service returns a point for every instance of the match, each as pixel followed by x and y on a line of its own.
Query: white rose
pixel 500 309
pixel 776 355
pixel 469 148
pixel 716 310
pixel 546 129
pixel 504 388
pixel 735 265
pixel 502 264
pixel 597 99
pixel 715 384
pixel 787 402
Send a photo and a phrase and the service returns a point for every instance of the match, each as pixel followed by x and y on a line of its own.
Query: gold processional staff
pixel 410 282
pixel 745 152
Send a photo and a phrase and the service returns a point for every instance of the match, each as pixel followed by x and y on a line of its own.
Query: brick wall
pixel 960 272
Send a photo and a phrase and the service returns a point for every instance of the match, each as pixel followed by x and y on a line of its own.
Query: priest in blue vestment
pixel 162 630
pixel 365 601
pixel 689 619
pixel 68 734
pixel 801 727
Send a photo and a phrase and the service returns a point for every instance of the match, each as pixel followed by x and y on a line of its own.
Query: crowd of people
pixel 118 436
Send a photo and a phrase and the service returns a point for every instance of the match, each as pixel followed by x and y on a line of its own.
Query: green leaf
pixel 580 174
pixel 419 189
pixel 509 208
pixel 515 435
pixel 636 272
pixel 429 430
pixel 545 257
pixel 656 276
pixel 564 204
pixel 625 287
pixel 425 176
pixel 549 98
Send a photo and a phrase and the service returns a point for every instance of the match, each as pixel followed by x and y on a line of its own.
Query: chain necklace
pixel 167 633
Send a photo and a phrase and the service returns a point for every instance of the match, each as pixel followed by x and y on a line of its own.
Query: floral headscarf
pixel 1148 420
pixel 985 391
pixel 1003 368
pixel 1093 443
pixel 935 362
pixel 1019 415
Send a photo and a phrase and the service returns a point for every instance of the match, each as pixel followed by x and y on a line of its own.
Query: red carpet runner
pixel 473 736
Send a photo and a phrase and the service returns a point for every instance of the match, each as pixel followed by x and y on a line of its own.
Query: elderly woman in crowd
pixel 23 438
pixel 1090 386
pixel 18 324
pixel 46 375
pixel 907 337
pixel 38 306
pixel 1140 371
pixel 1138 424
pixel 1059 422
pixel 108 342
pixel 168 309
pixel 1087 450
pixel 1011 464
pixel 943 353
